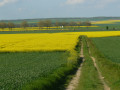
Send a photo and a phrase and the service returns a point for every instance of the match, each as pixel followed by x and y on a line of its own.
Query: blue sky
pixel 27 9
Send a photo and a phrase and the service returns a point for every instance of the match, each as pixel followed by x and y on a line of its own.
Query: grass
pixel 89 79
pixel 110 70
pixel 109 46
pixel 18 69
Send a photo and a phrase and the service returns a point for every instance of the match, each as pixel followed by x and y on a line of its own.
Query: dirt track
pixel 74 82
pixel 106 87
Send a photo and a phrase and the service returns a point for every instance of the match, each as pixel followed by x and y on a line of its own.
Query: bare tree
pixel 57 24
pixel 64 23
pixel 3 25
pixel 72 24
pixel 40 24
pixel 48 23
pixel 24 24
pixel 79 23
pixel 88 23
pixel 11 25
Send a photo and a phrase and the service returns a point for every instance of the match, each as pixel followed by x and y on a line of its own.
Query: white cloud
pixel 20 9
pixel 74 1
pixel 3 2
pixel 103 3
pixel 99 3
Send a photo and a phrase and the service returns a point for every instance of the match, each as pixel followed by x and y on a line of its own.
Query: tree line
pixel 11 25
pixel 40 24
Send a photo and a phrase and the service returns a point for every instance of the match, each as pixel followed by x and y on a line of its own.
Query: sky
pixel 29 9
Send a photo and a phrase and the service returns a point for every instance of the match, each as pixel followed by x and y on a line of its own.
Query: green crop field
pixel 106 51
pixel 109 46
pixel 18 69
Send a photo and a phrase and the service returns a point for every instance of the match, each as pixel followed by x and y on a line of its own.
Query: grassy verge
pixel 89 79
pixel 58 78
pixel 109 69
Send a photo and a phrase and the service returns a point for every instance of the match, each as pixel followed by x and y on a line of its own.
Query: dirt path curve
pixel 74 82
pixel 106 87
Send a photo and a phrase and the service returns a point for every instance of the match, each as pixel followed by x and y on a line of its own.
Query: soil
pixel 74 82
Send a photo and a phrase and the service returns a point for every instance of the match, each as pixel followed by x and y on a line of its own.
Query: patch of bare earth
pixel 74 82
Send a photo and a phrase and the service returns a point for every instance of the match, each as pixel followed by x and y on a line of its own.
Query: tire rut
pixel 106 87
pixel 75 80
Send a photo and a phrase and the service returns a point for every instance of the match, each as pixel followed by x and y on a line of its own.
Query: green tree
pixel 107 27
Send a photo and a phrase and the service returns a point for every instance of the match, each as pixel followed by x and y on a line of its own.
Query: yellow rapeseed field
pixel 106 22
pixel 36 42
pixel 45 41
pixel 82 26
pixel 31 29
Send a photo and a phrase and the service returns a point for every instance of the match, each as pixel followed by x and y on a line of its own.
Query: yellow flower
pixel 45 41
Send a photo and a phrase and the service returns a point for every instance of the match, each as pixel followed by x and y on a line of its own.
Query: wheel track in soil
pixel 75 80
pixel 106 87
